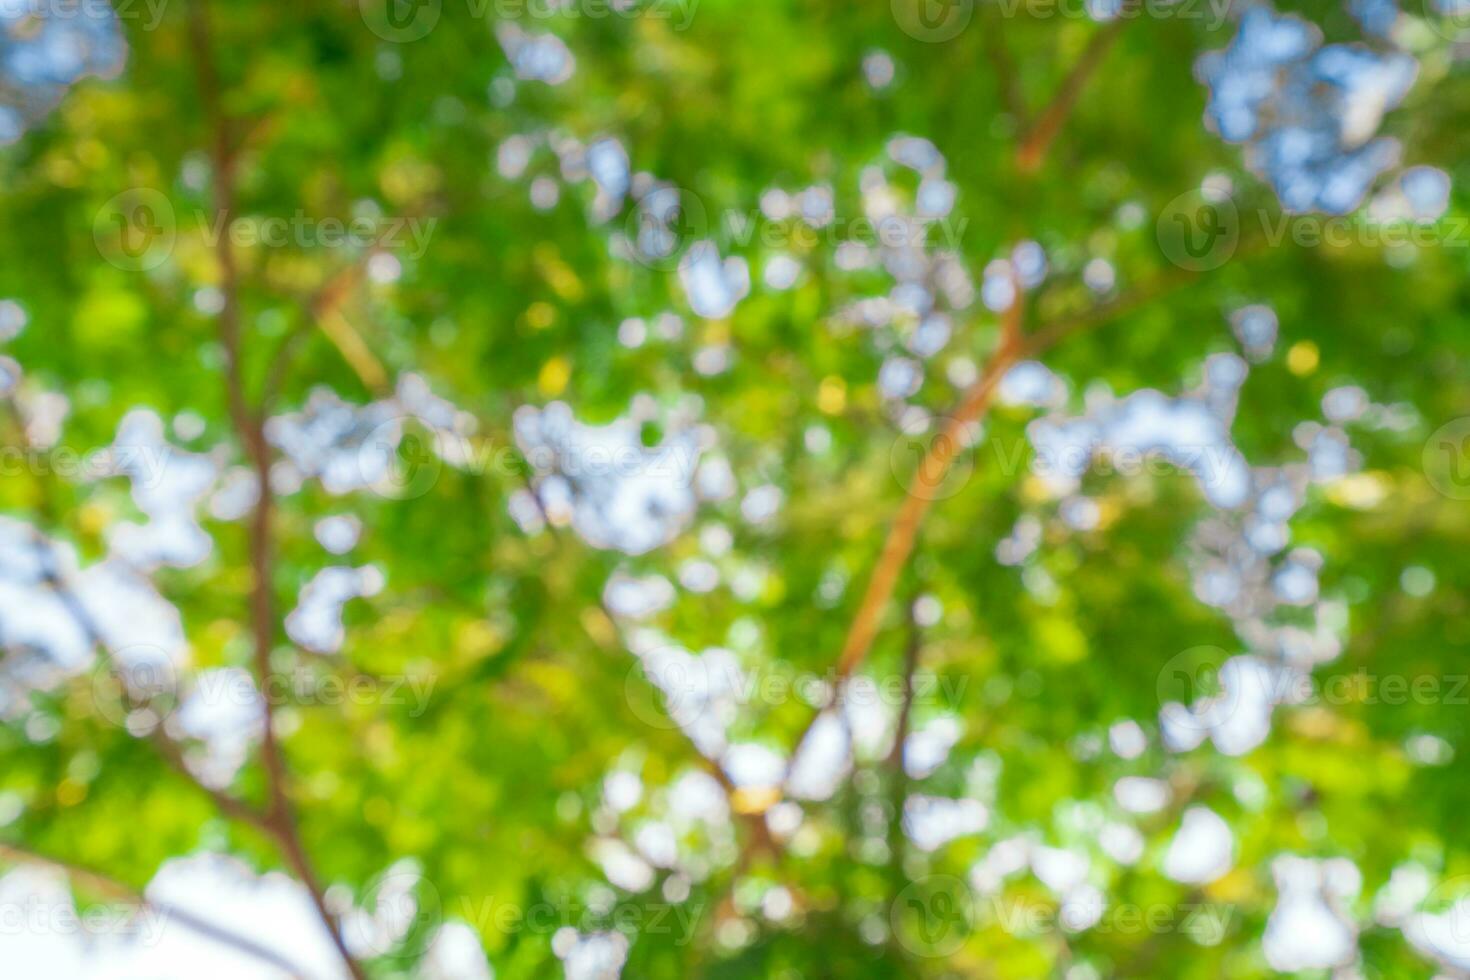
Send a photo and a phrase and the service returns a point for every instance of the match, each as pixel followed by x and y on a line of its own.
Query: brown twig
pixel 229 805
pixel 1038 139
pixel 249 425
pixel 1006 75
pixel 56 581
pixel 922 492
pixel 1015 346
pixel 107 886
pixel 1048 335
pixel 323 310
pixel 165 745
pixel 913 645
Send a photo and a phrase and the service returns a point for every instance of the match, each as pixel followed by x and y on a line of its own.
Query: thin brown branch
pixel 922 491
pixel 250 428
pixel 1006 75
pixel 1048 335
pixel 326 311
pixel 913 645
pixel 323 310
pixel 919 497
pixel 166 746
pixel 231 806
pixel 280 362
pixel 354 350
pixel 1038 140
pixel 1015 346
pixel 115 890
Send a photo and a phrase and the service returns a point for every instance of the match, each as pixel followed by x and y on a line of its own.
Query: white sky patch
pixel 1127 740
pixel 535 57
pixel 823 760
pixel 168 484
pixel 339 533
pixel 224 712
pixel 753 766
pixel 927 748
pixel 455 953
pixel 713 285
pixel 622 865
pixel 1202 850
pixel 1310 927
pixel 933 821
pixel 1060 869
pixel 615 491
pixel 1141 794
pixel 316 622
pixel 637 597
pixel 272 911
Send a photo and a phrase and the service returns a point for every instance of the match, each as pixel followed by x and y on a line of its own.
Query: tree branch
pixel 323 309
pixel 1034 145
pixel 249 426
pixel 117 891
pixel 166 746
pixel 1047 336
pixel 1015 346
pixel 930 475
pixel 1006 76
pixel 913 646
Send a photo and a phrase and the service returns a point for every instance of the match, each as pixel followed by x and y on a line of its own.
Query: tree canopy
pixel 674 488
